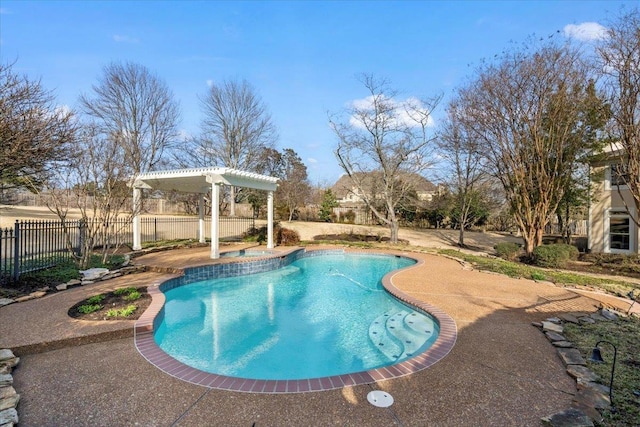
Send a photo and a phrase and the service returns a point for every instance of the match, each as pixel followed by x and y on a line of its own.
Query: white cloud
pixel 119 38
pixel 410 112
pixel 312 160
pixel 210 83
pixel 587 31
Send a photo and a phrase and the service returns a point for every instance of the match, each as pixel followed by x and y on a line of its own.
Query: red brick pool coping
pixel 147 347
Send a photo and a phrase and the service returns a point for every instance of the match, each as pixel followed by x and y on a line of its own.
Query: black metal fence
pixel 35 245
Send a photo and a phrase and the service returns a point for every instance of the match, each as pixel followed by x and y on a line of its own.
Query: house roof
pixel 345 183
pixel 200 180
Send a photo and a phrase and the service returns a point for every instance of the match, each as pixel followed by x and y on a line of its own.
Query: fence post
pixel 155 229
pixel 16 252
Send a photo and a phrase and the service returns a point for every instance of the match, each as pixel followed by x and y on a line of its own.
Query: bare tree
pixel 95 181
pixel 527 110
pixel 465 165
pixel 388 138
pixel 236 128
pixel 619 55
pixel 294 189
pixel 135 109
pixel 34 132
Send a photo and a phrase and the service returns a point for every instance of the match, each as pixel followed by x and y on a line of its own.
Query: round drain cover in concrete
pixel 380 398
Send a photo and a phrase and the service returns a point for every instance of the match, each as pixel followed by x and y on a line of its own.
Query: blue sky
pixel 302 57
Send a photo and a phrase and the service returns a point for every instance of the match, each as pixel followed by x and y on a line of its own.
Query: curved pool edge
pixel 147 347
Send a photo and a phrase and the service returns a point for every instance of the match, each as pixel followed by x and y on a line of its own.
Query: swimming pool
pixel 150 323
pixel 316 317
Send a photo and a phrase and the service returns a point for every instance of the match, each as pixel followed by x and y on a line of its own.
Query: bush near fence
pixel 36 245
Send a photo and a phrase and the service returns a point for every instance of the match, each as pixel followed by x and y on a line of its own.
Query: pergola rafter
pixel 202 181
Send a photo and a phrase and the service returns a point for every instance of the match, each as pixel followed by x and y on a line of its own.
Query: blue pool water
pixel 319 316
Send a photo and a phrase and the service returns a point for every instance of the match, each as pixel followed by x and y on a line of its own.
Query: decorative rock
pixel 562 344
pixel 609 315
pixel 6 392
pixel 87 282
pixel 5 369
pixel 552 336
pixel 73 282
pixel 570 318
pixel 570 418
pixel 24 298
pixel 111 275
pixel 600 388
pixel 536 324
pixel 62 287
pixel 8 416
pixel 591 412
pixel 555 320
pixel 552 327
pixel 93 273
pixel 5 380
pixel 6 354
pixel 587 320
pixel 581 373
pixel 38 294
pixel 598 317
pixel 571 356
pixel 592 398
pixel 10 401
pixel 5 301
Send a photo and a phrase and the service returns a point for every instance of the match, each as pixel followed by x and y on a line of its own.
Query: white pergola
pixel 202 181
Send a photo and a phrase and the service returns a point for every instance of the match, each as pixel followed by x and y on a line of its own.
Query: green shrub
pixel 123 312
pixel 507 250
pixel 555 255
pixel 89 308
pixel 132 296
pixel 124 291
pixel 536 275
pixel 96 299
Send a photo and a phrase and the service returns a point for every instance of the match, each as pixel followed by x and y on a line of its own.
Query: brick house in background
pixel 349 197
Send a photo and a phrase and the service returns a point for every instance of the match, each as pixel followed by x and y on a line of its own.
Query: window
pixel 618 174
pixel 619 231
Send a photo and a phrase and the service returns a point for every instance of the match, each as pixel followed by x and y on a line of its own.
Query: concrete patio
pixel 502 370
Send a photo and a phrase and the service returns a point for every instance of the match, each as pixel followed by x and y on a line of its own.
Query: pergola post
pixel 215 218
pixel 137 241
pixel 201 238
pixel 270 220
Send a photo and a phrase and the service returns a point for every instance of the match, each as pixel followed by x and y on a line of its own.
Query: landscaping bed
pixel 120 304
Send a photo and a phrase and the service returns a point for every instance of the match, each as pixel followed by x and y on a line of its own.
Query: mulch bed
pixel 113 301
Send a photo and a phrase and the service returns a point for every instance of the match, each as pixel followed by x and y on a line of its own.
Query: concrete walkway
pixel 501 372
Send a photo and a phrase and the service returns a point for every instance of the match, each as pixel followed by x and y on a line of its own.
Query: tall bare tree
pixel 386 137
pixel 465 167
pixel 34 132
pixel 527 110
pixel 136 109
pixel 93 180
pixel 619 54
pixel 236 127
pixel 294 188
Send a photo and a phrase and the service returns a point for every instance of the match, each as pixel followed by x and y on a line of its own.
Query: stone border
pixel 9 399
pixel 591 395
pixel 89 276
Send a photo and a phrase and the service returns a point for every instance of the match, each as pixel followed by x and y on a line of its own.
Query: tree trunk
pixel 461 236
pixel 393 228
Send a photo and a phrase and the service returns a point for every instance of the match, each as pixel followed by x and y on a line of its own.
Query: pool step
pixel 382 340
pixel 400 334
